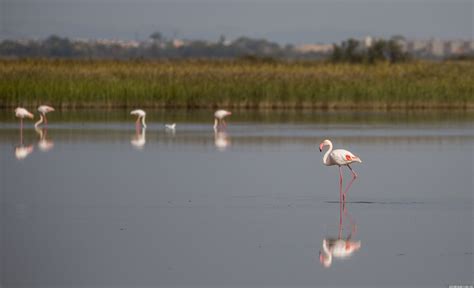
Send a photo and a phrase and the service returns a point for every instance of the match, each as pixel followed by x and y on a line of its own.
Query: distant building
pixel 436 47
pixel 416 46
pixel 314 48
pixel 455 47
pixel 368 41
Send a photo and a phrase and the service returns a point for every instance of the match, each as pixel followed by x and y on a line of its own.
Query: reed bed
pixel 235 84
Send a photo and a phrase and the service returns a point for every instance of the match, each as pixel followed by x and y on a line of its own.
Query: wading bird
pixel 339 157
pixel 22 113
pixel 219 116
pixel 141 115
pixel 43 109
pixel 170 127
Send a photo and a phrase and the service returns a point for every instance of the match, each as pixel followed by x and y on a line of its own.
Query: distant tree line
pixel 355 51
pixel 158 47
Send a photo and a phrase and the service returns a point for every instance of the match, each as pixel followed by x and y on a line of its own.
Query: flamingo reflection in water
pixel 139 139
pixel 22 151
pixel 340 247
pixel 221 140
pixel 44 144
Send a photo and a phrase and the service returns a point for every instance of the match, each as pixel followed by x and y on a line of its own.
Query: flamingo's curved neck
pixel 39 121
pixel 325 158
pixel 215 123
pixel 143 122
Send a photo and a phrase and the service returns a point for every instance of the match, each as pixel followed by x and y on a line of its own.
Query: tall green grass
pixel 201 83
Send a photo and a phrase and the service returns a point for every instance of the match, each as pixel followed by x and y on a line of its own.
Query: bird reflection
pixel 138 140
pixel 340 247
pixel 22 151
pixel 221 140
pixel 44 144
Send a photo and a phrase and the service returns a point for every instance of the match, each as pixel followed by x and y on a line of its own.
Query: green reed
pixel 235 84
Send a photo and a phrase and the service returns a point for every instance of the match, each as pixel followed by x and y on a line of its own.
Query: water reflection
pixel 341 247
pixel 139 139
pixel 22 151
pixel 221 140
pixel 44 144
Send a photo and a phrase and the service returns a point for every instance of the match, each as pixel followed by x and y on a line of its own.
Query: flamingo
pixel 219 116
pixel 22 113
pixel 43 109
pixel 141 115
pixel 339 157
pixel 170 127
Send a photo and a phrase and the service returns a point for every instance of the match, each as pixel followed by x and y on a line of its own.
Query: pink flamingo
pixel 339 157
pixel 141 116
pixel 219 116
pixel 22 113
pixel 43 109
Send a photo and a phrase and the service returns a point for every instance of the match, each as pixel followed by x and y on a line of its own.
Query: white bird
pixel 43 109
pixel 22 113
pixel 219 116
pixel 170 126
pixel 141 115
pixel 339 157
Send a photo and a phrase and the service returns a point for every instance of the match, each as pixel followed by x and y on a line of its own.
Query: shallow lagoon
pixel 95 203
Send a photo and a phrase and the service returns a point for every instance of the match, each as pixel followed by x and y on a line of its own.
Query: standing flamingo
pixel 22 113
pixel 219 116
pixel 141 115
pixel 339 157
pixel 43 109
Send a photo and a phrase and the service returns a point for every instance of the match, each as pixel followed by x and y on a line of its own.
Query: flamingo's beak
pixel 321 147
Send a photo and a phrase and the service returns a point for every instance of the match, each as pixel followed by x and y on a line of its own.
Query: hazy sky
pixel 287 21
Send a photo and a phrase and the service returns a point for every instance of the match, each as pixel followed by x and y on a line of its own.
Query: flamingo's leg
pixel 45 121
pixel 354 174
pixel 225 124
pixel 137 123
pixel 21 131
pixel 341 195
pixel 340 220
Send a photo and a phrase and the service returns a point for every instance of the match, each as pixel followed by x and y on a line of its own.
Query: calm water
pixel 93 203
